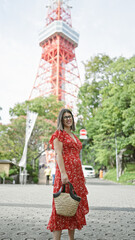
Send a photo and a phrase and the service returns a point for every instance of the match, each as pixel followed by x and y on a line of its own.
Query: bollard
pixel 101 174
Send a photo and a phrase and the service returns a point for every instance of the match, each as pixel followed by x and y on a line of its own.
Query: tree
pixel 45 107
pixel 106 107
pixel 12 136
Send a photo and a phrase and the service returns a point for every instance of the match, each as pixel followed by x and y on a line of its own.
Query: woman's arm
pixel 58 146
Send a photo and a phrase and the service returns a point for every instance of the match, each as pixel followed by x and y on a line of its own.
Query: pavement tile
pixel 25 211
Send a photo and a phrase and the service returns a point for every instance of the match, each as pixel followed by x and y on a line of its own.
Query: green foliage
pixel 35 179
pixel 106 108
pixel 127 178
pixel 3 175
pixel 130 168
pixel 45 107
pixel 111 175
pixel 5 179
pixel 12 139
pixel 13 171
pixel 33 173
pixel 9 179
pixel 12 136
pixel 29 169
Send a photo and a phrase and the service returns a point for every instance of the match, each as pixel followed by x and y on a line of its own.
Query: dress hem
pixel 52 230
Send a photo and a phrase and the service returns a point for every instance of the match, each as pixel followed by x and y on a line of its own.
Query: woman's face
pixel 67 119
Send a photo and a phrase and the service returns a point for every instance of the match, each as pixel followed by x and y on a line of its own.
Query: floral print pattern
pixel 70 153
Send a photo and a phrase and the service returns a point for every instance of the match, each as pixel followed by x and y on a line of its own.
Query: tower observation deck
pixel 58 71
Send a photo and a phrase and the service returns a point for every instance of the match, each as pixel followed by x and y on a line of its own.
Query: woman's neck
pixel 68 130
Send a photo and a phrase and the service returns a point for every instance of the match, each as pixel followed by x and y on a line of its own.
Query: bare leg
pixel 56 235
pixel 71 234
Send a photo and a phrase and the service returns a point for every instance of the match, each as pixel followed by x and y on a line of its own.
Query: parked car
pixel 88 171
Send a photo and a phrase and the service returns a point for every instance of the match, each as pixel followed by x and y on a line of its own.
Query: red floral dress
pixel 70 153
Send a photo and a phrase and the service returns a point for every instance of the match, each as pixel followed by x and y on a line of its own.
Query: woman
pixel 68 169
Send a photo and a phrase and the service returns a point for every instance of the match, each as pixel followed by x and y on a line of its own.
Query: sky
pixel 105 26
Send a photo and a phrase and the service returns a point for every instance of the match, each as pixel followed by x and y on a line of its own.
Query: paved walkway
pixel 25 210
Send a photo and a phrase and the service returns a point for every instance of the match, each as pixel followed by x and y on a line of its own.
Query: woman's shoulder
pixel 57 134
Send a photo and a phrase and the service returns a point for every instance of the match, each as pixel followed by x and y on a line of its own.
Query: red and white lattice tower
pixel 58 71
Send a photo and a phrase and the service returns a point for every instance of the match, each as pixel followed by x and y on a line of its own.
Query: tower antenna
pixel 58 71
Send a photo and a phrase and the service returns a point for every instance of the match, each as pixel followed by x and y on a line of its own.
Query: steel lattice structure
pixel 58 71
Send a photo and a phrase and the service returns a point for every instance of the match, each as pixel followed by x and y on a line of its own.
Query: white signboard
pixel 83 134
pixel 83 137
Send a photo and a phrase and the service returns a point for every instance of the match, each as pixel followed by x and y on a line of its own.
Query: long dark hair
pixel 60 125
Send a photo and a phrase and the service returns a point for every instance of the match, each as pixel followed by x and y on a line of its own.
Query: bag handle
pixel 72 192
pixel 70 185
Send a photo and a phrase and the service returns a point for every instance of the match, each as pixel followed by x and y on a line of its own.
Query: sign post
pixel 83 135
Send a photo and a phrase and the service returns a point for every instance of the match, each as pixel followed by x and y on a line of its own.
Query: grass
pixel 127 178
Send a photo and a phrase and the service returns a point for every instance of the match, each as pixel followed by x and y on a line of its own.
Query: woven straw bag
pixel 66 204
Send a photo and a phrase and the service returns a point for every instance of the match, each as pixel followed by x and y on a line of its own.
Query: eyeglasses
pixel 67 117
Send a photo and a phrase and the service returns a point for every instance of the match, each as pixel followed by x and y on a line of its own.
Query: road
pixel 25 210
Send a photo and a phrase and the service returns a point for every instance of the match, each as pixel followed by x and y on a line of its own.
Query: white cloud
pixel 19 63
pixel 5 4
pixel 104 27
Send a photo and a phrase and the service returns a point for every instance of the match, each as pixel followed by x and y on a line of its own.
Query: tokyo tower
pixel 58 71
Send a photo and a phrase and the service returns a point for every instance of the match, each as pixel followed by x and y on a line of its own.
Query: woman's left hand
pixel 64 178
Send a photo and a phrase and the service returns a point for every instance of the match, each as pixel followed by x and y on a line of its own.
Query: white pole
pixel 117 167
pixel 20 177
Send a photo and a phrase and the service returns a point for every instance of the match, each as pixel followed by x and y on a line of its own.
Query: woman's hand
pixel 64 178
